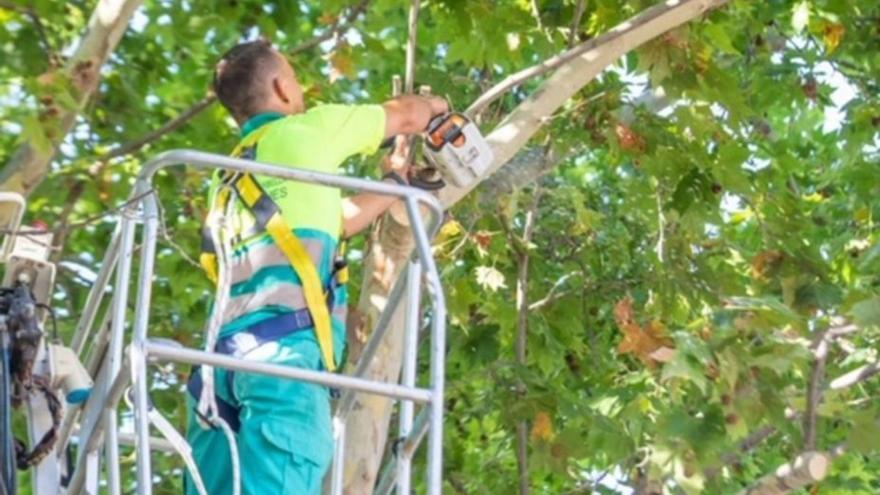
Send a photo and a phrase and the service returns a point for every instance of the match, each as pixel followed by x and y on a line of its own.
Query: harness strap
pixel 270 330
pixel 268 217
pixel 225 410
pixel 180 445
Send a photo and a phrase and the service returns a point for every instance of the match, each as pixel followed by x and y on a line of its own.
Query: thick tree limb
pixel 525 168
pixel 576 68
pixel 807 469
pixel 368 424
pixel 29 163
pixel 628 35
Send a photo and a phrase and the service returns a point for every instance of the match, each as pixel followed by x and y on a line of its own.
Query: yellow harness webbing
pixel 268 217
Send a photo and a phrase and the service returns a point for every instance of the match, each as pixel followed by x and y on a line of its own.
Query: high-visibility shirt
pixel 263 282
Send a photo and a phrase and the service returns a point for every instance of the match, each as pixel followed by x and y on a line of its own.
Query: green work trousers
pixel 285 440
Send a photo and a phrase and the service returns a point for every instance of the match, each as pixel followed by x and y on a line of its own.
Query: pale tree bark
pixel 807 469
pixel 367 427
pixel 594 56
pixel 30 163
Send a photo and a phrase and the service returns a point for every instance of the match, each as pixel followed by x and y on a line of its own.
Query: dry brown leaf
pixel 649 343
pixel 766 262
pixel 629 139
pixel 833 35
pixel 542 427
pixel 341 65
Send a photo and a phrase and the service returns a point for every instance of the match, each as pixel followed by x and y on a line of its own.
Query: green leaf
pixel 865 434
pixel 867 313
pixel 720 39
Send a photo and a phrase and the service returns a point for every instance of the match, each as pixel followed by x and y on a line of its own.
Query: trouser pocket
pixel 272 463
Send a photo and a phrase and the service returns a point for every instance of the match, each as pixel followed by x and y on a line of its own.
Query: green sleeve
pixel 353 129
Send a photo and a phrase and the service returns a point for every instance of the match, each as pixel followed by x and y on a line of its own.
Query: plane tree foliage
pixel 685 231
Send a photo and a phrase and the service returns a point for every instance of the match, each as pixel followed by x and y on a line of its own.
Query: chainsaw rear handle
pixel 446 129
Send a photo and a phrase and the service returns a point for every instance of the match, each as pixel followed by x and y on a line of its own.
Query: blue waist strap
pixel 268 330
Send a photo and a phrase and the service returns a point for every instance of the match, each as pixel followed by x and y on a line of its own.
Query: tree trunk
pixel 30 163
pixel 367 428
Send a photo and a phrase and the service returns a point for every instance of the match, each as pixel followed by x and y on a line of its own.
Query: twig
pixel 747 445
pixel 536 13
pixel 31 14
pixel 76 192
pixel 576 22
pixel 411 42
pixel 163 228
pixel 552 294
pixel 170 126
pixel 340 25
pixel 661 227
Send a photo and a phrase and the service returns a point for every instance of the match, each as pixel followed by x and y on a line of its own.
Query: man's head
pixel 253 78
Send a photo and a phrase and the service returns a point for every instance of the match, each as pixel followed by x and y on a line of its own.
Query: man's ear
pixel 280 90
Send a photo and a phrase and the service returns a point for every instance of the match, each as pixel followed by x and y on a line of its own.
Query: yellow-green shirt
pixel 320 139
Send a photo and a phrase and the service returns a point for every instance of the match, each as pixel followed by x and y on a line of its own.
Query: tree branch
pixel 553 294
pixel 856 376
pixel 30 163
pixel 576 68
pixel 576 22
pixel 167 128
pixel 411 45
pixel 814 389
pixel 807 469
pixel 37 21
pixel 617 34
pixel 342 24
pixel 522 331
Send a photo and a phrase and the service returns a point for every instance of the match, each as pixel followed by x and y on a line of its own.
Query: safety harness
pixel 268 218
pixel 212 410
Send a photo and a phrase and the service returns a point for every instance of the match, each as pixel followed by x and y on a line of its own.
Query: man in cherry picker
pixel 287 298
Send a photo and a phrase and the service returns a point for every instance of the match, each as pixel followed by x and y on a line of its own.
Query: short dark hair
pixel 240 77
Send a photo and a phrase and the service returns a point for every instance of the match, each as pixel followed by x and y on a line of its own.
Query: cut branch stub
pixel 808 468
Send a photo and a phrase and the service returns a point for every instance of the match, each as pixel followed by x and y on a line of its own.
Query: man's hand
pixel 397 160
pixel 410 114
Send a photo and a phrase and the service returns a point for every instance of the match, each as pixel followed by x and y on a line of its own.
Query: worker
pixel 283 427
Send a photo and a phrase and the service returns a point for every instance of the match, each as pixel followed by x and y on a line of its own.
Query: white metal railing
pixel 117 368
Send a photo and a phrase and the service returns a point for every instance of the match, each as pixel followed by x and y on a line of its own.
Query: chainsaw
pixel 455 151
pixel 455 147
